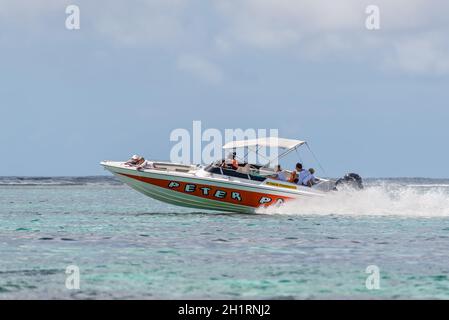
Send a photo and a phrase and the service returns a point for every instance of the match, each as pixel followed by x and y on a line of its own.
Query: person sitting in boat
pixel 133 160
pixel 299 175
pixel 231 162
pixel 280 174
pixel 144 164
pixel 140 161
pixel 310 179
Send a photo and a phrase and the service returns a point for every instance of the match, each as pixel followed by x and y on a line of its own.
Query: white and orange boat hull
pixel 192 187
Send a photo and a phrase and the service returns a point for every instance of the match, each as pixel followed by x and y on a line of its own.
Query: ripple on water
pixel 31 272
pixel 167 253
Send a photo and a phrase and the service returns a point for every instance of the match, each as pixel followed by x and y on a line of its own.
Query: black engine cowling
pixel 352 180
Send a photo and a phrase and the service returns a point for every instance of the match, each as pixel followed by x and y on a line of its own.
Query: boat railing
pixel 176 167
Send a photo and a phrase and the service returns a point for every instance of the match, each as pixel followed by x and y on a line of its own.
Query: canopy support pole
pixel 316 159
pixel 283 154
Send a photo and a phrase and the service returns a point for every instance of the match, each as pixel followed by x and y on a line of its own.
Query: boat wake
pixel 375 200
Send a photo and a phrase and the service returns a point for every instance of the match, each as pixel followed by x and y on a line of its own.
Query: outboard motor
pixel 352 180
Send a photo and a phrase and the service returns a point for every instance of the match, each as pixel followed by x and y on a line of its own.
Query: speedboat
pixel 215 187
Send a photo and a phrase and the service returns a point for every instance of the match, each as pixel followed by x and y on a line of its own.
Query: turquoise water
pixel 129 246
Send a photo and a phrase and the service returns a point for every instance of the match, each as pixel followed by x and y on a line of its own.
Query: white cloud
pixel 318 17
pixel 139 23
pixel 421 54
pixel 317 29
pixel 146 23
pixel 30 16
pixel 19 10
pixel 200 68
pixel 222 45
pixel 412 36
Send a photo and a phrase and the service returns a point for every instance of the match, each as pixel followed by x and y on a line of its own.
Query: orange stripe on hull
pixel 228 195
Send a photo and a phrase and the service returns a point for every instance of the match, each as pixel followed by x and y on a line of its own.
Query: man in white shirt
pixel 310 179
pixel 303 175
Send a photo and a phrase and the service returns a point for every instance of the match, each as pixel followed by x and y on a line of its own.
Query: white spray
pixel 382 199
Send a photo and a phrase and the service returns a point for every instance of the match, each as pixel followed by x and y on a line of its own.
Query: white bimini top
pixel 265 142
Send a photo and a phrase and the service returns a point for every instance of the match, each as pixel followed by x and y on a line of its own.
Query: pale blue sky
pixel 373 102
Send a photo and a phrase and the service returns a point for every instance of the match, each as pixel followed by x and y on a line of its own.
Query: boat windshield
pixel 244 171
